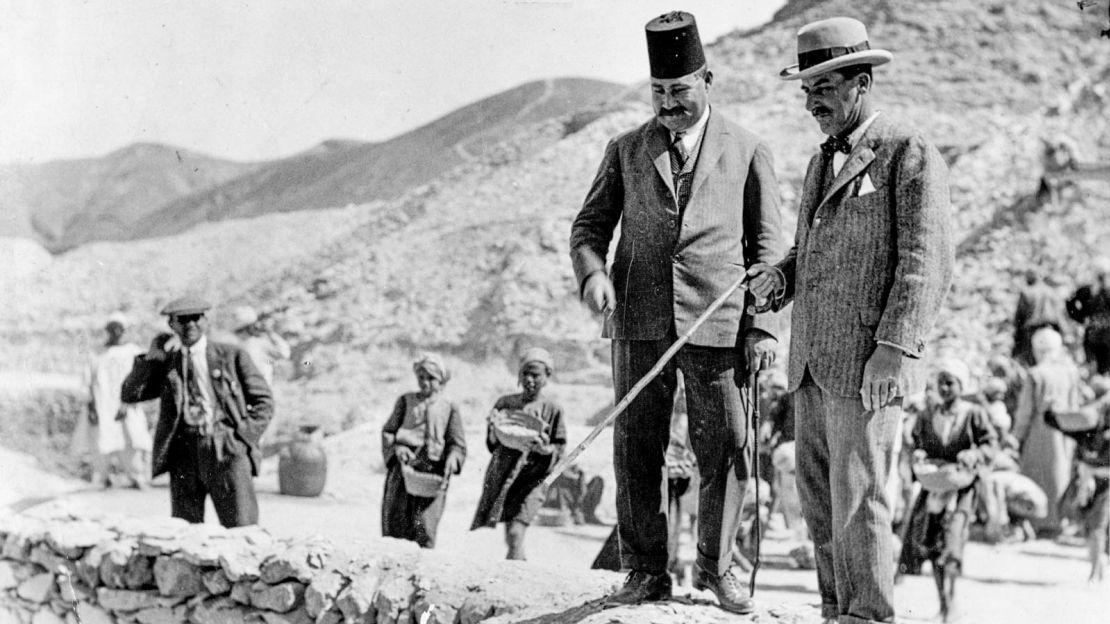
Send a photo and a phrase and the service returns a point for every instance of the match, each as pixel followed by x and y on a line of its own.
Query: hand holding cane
pixel 644 381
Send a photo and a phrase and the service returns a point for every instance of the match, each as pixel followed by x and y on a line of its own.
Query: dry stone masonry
pixel 61 569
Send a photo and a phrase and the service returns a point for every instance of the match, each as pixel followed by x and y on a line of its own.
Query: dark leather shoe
pixel 732 592
pixel 641 587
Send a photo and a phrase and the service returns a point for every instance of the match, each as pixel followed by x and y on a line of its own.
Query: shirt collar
pixel 199 346
pixel 690 135
pixel 857 134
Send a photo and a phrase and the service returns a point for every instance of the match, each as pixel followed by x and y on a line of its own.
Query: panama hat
pixel 831 44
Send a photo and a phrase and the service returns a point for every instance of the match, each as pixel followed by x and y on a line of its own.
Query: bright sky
pixel 255 79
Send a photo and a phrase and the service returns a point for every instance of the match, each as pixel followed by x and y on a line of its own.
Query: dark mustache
pixel 671 112
pixel 821 110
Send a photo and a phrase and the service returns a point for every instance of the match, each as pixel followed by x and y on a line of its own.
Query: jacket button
pixel 674 222
pixel 677 258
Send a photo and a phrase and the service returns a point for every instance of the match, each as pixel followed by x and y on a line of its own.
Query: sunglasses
pixel 185 319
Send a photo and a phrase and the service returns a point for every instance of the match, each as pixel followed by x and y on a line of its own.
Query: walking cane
pixel 758 525
pixel 640 385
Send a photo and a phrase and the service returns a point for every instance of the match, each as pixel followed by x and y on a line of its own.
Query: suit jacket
pixel 871 268
pixel 242 398
pixel 670 265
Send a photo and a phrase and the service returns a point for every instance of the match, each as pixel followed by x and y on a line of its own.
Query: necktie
pixel 679 155
pixel 835 144
pixel 194 402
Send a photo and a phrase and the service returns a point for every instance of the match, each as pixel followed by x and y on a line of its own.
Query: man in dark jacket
pixel 215 405
pixel 697 202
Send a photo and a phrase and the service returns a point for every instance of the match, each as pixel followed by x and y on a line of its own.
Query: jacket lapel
pixel 657 152
pixel 712 144
pixel 857 161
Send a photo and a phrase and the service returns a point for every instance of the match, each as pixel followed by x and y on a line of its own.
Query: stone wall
pixel 61 568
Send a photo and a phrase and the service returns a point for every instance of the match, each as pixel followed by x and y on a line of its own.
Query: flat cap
pixel 189 304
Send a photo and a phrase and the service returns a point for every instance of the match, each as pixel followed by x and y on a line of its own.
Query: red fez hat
pixel 674 47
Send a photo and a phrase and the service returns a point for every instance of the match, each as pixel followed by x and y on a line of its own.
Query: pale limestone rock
pixel 52 561
pixel 241 564
pixel 299 560
pixel 394 597
pixel 8 617
pixel 356 600
pixel 280 598
pixel 322 592
pixel 46 616
pixel 88 567
pixel 435 606
pixel 72 539
pixel 204 553
pixel 8 579
pixel 37 588
pixel 92 614
pixel 253 535
pixel 332 617
pixel 121 566
pixel 216 582
pixel 177 577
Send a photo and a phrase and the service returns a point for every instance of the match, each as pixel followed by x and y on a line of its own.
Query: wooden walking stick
pixel 640 385
pixel 758 523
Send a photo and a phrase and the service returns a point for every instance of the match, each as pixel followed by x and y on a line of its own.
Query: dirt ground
pixel 1033 582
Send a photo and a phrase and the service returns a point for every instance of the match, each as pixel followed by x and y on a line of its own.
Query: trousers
pixel 215 465
pixel 843 459
pixel 719 433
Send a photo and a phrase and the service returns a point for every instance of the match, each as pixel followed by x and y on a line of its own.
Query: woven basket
pixel 942 477
pixel 423 484
pixel 516 429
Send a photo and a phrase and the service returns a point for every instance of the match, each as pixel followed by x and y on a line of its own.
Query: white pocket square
pixel 865 186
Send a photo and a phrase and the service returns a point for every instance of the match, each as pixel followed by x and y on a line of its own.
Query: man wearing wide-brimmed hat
pixel 214 406
pixel 697 202
pixel 870 267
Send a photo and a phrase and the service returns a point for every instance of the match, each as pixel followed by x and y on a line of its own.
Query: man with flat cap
pixel 870 267
pixel 214 407
pixel 697 203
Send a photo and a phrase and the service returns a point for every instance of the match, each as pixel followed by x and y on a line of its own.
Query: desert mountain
pixel 152 190
pixel 475 260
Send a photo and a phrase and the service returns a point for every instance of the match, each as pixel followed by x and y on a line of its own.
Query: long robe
pixel 1046 454
pixel 105 376
pixel 513 488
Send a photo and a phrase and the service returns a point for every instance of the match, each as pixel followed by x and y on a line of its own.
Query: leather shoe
pixel 730 590
pixel 641 586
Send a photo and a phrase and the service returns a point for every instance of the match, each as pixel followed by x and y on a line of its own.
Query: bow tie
pixel 835 144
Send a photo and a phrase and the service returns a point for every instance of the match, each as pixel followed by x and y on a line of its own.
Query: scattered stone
pixel 92 614
pixel 394 597
pixel 177 577
pixel 162 615
pixel 8 579
pixel 52 561
pixel 280 598
pixel 72 539
pixel 216 582
pixel 300 561
pixel 37 588
pixel 241 592
pixel 322 592
pixel 44 616
pixel 357 599
pixel 221 610
pixel 133 600
pixel 296 616
pixel 242 564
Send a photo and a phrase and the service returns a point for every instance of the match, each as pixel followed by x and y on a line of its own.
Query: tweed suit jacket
pixel 869 268
pixel 241 393
pixel 670 264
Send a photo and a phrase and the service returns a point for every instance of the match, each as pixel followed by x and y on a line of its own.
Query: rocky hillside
pixel 474 261
pixel 154 190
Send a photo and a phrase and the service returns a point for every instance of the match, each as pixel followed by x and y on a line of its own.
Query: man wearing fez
pixel 214 407
pixel 870 267
pixel 697 201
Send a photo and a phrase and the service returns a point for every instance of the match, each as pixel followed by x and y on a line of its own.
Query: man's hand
pixel 882 377
pixel 162 345
pixel 764 281
pixel 598 293
pixel 404 454
pixel 759 351
pixel 453 465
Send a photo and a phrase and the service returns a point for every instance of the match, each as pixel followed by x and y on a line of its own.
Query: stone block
pixel 296 616
pixel 333 616
pixel 356 600
pixel 220 610
pixel 253 535
pixel 71 589
pixel 241 592
pixel 281 598
pixel 92 614
pixel 8 616
pixel 72 539
pixel 52 561
pixel 88 567
pixel 433 607
pixel 8 578
pixel 216 582
pixel 162 615
pixel 322 591
pixel 125 600
pixel 393 600
pixel 46 616
pixel 242 564
pixel 299 560
pixel 37 588
pixel 177 577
